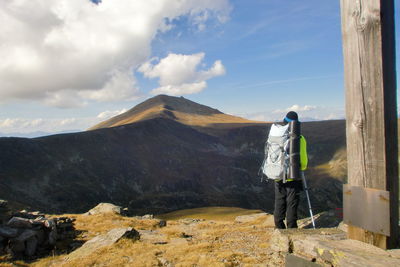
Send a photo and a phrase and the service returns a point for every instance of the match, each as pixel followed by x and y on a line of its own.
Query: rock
pixel 125 212
pixel 18 222
pixel 279 242
pixel 25 235
pixel 395 253
pixel 40 235
pixel 8 232
pixel 28 215
pixel 102 241
pixel 31 245
pixel 329 247
pixel 342 226
pixel 292 260
pixel 162 223
pixel 104 208
pixel 153 237
pixel 16 246
pixel 354 253
pixel 164 262
pixel 148 217
pixel 52 238
pixel 3 203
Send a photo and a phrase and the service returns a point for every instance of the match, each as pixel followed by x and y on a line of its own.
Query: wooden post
pixel 371 108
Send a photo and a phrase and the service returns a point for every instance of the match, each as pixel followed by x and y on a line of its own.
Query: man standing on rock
pixel 286 158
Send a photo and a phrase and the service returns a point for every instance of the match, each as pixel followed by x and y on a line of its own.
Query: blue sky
pixel 70 64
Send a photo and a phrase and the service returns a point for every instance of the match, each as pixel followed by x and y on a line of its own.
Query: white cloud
pixel 110 113
pixel 64 99
pixel 306 113
pixel 69 52
pixel 182 89
pixel 257 117
pixel 179 74
pixel 20 125
pixel 296 108
pixel 118 87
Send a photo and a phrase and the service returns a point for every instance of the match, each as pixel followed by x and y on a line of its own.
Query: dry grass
pixel 217 242
pixel 201 120
pixel 208 213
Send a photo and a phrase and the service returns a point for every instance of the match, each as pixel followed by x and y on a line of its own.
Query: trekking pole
pixel 308 198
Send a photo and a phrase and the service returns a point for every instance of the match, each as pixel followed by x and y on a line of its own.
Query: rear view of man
pixel 286 158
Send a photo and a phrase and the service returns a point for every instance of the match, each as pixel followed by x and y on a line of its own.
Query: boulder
pixel 102 241
pixel 8 232
pixel 104 208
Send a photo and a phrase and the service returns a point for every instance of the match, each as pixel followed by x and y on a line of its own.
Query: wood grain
pixel 371 108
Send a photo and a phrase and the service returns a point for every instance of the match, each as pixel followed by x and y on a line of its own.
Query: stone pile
pixel 5 212
pixel 27 234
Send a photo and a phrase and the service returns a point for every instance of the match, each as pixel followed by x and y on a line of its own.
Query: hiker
pixel 286 159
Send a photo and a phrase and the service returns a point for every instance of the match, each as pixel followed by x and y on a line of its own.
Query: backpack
pixel 276 161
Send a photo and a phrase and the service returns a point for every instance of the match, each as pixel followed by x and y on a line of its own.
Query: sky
pixel 68 64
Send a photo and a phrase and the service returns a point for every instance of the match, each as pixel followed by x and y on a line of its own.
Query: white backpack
pixel 276 161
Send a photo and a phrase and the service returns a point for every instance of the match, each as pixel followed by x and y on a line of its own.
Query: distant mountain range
pixel 35 134
pixel 165 154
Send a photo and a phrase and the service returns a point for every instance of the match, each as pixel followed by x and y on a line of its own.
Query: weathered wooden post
pixel 370 199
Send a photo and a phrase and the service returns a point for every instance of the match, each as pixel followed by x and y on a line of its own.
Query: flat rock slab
pixel 102 241
pixel 329 247
pixel 283 241
pixel 153 237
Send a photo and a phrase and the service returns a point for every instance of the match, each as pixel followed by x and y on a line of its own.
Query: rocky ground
pixel 104 237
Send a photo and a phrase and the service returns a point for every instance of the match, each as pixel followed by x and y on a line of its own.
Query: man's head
pixel 290 116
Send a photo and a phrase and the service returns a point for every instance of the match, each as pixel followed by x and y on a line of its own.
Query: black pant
pixel 287 197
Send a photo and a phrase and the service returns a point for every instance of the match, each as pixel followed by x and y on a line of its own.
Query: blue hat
pixel 291 116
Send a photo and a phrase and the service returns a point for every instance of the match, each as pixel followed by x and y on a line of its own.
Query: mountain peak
pixel 177 108
pixel 180 104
